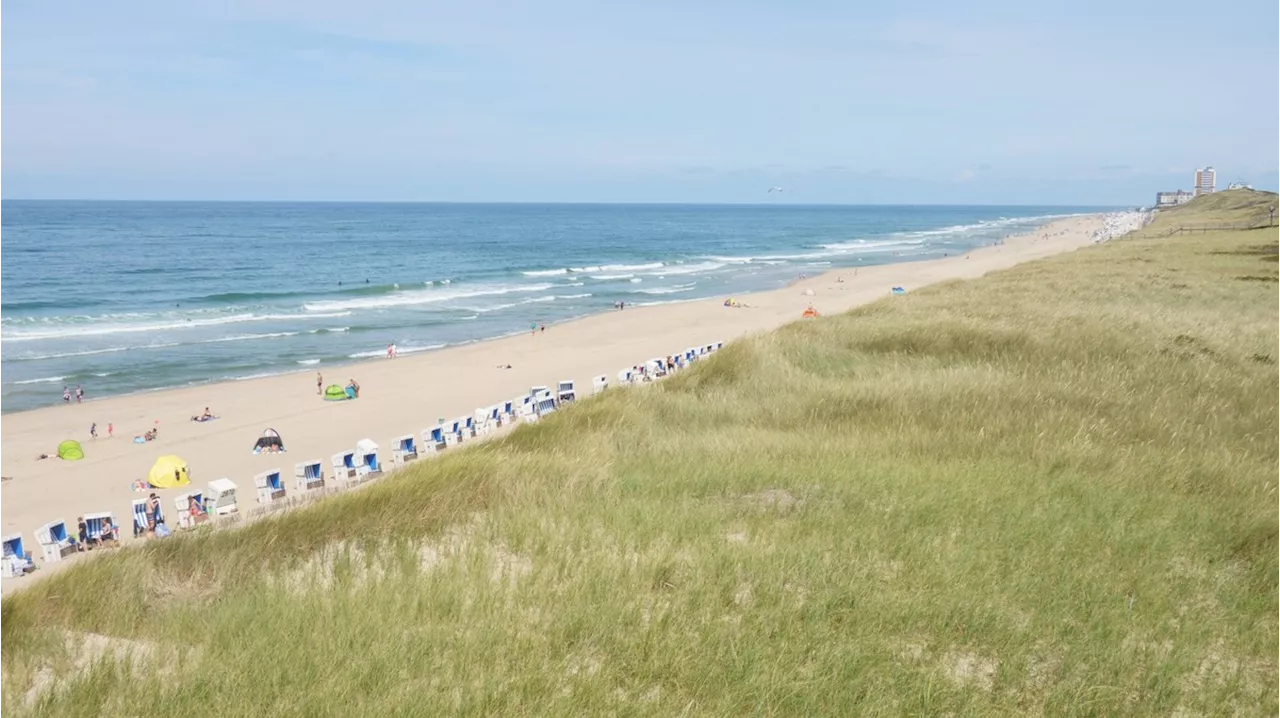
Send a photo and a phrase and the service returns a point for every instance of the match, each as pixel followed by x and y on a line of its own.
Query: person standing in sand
pixel 319 383
pixel 66 394
pixel 93 430
pixel 79 394
pixel 111 430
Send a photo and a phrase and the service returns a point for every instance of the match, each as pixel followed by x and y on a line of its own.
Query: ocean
pixel 121 297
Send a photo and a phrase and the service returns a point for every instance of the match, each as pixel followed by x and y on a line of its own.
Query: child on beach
pixel 93 430
pixel 111 430
pixel 66 395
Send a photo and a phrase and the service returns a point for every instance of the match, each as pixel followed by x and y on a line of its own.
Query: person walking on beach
pixel 93 430
pixel 319 383
pixel 66 394
pixel 111 430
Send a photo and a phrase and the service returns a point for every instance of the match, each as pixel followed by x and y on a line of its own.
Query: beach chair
pixel 433 440
pixel 140 526
pixel 452 432
pixel 492 419
pixel 508 411
pixel 220 498
pixel 535 391
pixel 625 376
pixel 367 465
pixel 186 519
pixel 656 367
pixel 719 346
pixel 344 467
pixel 528 412
pixel 899 290
pixel 482 423
pixel 565 392
pixel 95 528
pixel 139 517
pixel 468 426
pixel 55 544
pixel 17 560
pixel 545 403
pixel 691 355
pixel 270 484
pixel 406 450
pixel 708 349
pixel 600 383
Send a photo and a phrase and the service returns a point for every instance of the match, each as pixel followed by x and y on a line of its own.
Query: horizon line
pixel 553 202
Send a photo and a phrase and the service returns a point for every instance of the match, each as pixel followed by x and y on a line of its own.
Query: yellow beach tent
pixel 169 472
pixel 70 450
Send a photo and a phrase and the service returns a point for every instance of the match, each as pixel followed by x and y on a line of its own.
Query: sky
pixel 982 102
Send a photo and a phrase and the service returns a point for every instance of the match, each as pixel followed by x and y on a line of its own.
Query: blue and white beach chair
pixel 221 498
pixel 344 467
pixel 565 391
pixel 545 403
pixel 55 544
pixel 270 484
pixel 433 440
pixel 367 465
pixel 186 519
pixel 96 528
pixel 17 560
pixel 600 383
pixel 406 450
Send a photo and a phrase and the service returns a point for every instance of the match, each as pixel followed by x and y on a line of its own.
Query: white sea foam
pixel 308 362
pixel 247 337
pixel 41 380
pixel 399 350
pixel 667 290
pixel 698 268
pixel 500 307
pixel 545 272
pixel 617 268
pixel 83 330
pixel 573 296
pixel 413 298
pixel 607 277
pixel 91 352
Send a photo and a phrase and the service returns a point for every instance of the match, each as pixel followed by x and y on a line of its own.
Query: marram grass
pixel 1049 491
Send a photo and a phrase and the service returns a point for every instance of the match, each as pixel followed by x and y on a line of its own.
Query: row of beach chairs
pixel 349 468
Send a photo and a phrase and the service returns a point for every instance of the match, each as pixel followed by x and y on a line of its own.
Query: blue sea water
pixel 127 296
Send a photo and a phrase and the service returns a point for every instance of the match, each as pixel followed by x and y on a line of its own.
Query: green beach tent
pixel 335 393
pixel 70 451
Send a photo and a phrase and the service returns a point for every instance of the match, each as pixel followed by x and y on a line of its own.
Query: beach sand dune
pixel 409 394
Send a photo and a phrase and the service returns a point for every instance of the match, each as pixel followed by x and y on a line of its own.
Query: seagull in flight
pixel 774 189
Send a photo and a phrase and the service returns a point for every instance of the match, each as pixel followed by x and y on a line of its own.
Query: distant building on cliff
pixel 1239 185
pixel 1206 181
pixel 1173 199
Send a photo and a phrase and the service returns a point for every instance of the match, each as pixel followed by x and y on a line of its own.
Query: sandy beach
pixel 410 393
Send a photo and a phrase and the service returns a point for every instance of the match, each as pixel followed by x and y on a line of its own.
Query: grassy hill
pixel 1052 490
pixel 1243 207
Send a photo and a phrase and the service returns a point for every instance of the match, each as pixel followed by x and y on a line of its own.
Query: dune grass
pixel 1052 490
pixel 1242 207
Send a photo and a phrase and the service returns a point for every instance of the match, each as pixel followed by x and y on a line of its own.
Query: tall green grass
pixel 1049 491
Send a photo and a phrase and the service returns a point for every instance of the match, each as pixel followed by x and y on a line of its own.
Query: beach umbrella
pixel 70 450
pixel 168 472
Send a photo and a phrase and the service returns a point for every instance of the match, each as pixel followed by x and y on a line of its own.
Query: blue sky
pixel 994 102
